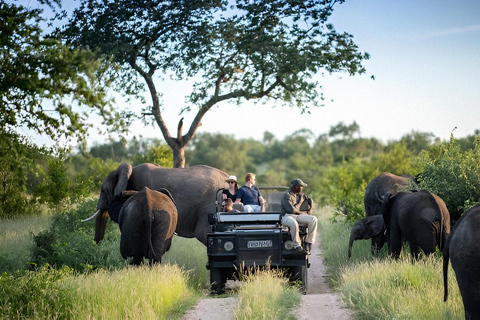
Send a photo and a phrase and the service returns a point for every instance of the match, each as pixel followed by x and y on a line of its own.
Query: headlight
pixel 228 245
pixel 288 244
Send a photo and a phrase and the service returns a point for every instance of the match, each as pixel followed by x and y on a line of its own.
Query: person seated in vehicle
pixel 232 188
pixel 250 195
pixel 291 203
pixel 227 206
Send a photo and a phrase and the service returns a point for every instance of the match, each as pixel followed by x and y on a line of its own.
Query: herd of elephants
pixel 151 203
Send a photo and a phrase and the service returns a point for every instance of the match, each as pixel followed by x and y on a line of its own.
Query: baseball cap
pixel 298 182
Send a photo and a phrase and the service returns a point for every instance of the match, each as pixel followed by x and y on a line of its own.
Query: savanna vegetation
pixel 44 244
pixel 53 83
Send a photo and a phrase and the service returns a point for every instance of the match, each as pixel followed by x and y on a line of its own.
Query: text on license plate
pixel 260 244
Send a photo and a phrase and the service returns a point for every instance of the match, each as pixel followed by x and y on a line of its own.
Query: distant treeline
pixel 336 165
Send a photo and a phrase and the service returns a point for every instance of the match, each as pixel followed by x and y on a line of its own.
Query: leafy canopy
pixel 44 85
pixel 233 50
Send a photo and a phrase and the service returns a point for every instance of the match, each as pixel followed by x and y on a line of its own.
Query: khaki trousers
pixel 293 221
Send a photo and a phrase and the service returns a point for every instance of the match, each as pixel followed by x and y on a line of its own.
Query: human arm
pixel 288 203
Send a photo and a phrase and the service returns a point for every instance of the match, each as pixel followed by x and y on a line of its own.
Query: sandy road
pixel 320 302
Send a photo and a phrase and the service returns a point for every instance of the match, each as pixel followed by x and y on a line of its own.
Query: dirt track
pixel 320 302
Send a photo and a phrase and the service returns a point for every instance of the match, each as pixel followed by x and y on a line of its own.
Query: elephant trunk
pixel 100 226
pixel 350 244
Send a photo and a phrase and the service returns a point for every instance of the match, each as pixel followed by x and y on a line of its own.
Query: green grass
pixel 159 292
pixel 191 255
pixel 16 240
pixel 266 294
pixel 382 288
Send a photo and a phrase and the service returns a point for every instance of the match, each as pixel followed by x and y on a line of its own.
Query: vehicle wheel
pixel 300 273
pixel 217 281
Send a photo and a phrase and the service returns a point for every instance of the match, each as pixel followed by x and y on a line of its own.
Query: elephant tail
pixel 446 258
pixel 152 256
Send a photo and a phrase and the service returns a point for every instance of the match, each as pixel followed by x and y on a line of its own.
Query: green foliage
pixel 17 163
pixel 161 292
pixel 26 294
pixel 39 73
pixel 254 50
pixel 266 294
pixel 69 242
pixel 344 187
pixel 453 174
pixel 16 240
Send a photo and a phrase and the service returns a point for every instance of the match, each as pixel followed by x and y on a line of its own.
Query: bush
pixel 453 174
pixel 69 242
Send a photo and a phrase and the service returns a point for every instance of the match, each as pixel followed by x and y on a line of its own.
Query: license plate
pixel 260 244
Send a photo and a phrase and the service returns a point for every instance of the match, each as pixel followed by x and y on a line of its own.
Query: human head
pixel 250 177
pixel 227 205
pixel 297 185
pixel 232 180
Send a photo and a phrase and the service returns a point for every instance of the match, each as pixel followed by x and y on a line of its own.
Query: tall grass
pixel 16 240
pixel 159 292
pixel 382 288
pixel 191 255
pixel 266 294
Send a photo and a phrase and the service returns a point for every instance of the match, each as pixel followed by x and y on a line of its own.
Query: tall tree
pixel 235 50
pixel 38 75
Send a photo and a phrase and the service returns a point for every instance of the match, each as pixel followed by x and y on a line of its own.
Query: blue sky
pixel 425 56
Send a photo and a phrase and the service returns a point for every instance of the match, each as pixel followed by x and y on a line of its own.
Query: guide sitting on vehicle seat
pixel 293 217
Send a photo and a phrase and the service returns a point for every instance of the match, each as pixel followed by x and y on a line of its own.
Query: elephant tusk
pixel 92 217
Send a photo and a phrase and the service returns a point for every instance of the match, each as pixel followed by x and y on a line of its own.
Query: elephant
pixel 463 249
pixel 420 217
pixel 147 222
pixel 375 193
pixel 366 228
pixel 194 189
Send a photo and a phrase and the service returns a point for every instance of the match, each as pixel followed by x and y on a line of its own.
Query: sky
pixel 425 57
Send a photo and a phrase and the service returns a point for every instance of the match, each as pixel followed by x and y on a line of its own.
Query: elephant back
pixel 376 190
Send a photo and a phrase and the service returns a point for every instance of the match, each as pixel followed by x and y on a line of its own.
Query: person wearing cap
pixel 292 217
pixel 230 193
pixel 250 195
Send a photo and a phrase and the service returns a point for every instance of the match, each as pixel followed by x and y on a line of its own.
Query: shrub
pixel 453 174
pixel 69 242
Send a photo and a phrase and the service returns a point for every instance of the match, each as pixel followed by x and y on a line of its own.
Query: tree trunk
pixel 178 156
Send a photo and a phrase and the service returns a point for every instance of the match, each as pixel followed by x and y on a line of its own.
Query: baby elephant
pixel 147 223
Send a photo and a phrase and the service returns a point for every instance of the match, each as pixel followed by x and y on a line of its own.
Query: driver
pixel 292 217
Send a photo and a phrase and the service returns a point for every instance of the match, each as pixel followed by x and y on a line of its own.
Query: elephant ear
pixel 124 171
pixel 167 193
pixel 375 226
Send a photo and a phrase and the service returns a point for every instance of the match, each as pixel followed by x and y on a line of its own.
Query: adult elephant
pixel 463 249
pixel 375 192
pixel 420 217
pixel 193 188
pixel 147 223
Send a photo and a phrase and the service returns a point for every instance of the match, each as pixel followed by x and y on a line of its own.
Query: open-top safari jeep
pixel 244 241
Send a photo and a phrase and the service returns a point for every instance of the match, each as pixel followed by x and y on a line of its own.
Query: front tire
pixel 217 281
pixel 299 273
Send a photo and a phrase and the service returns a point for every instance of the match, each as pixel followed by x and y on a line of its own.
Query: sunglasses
pixel 231 182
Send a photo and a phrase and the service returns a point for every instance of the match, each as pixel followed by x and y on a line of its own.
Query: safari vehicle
pixel 244 241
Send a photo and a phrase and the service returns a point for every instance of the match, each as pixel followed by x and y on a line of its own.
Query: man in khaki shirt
pixel 291 202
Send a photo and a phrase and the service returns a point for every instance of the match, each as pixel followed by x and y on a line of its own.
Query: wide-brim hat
pixel 231 178
pixel 298 182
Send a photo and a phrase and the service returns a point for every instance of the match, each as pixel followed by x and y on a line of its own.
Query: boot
pixel 308 248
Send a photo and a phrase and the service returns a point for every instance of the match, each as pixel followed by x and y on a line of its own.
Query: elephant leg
pixel 395 243
pixel 415 251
